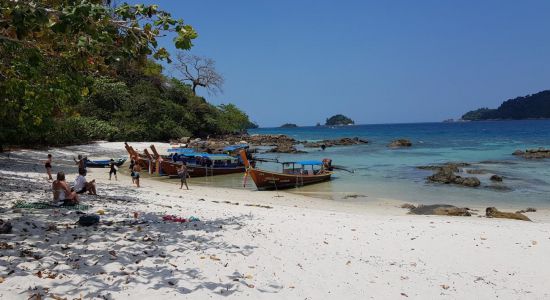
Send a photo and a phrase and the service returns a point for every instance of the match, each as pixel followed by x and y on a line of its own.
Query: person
pixel 112 169
pixel 135 174
pixel 62 192
pixel 81 162
pixel 183 174
pixel 323 147
pixel 48 165
pixel 81 185
pixel 132 164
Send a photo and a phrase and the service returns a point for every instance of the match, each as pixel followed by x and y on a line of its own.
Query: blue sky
pixel 374 61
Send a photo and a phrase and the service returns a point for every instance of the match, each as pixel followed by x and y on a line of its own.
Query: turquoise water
pixel 392 173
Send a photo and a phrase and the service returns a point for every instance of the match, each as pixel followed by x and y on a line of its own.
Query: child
pixel 48 165
pixel 183 174
pixel 135 174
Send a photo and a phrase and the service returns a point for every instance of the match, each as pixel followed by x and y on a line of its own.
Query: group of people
pixel 64 193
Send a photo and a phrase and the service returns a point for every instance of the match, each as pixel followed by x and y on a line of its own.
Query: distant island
pixel 289 125
pixel 536 106
pixel 339 120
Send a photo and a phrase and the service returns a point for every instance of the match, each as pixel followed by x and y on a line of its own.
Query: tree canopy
pixel 73 71
pixel 534 106
pixel 339 120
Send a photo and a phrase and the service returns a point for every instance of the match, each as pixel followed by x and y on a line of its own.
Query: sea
pixel 382 172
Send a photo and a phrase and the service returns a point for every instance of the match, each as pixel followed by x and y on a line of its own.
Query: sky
pixel 291 61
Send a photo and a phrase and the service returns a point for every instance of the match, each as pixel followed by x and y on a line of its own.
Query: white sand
pixel 301 248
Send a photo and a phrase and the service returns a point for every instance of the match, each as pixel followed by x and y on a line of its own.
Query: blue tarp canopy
pixel 180 150
pixel 235 147
pixel 306 162
pixel 216 156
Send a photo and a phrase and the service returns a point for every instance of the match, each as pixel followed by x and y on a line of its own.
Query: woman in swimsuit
pixel 48 165
pixel 62 192
pixel 136 171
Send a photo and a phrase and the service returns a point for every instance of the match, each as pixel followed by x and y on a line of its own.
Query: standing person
pixel 135 176
pixel 112 169
pixel 62 192
pixel 81 162
pixel 132 164
pixel 183 174
pixel 81 185
pixel 48 165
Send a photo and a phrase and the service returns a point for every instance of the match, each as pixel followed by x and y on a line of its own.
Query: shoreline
pixel 266 247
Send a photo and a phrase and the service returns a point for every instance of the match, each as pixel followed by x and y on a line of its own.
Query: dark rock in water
pixel 492 212
pixel 285 148
pixel 455 166
pixel 496 178
pixel 5 227
pixel 440 210
pixel 529 209
pixel 400 143
pixel 533 153
pixel 337 142
pixel 446 174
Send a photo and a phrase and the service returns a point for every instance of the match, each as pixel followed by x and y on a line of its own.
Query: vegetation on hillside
pixel 289 125
pixel 339 120
pixel 76 71
pixel 534 106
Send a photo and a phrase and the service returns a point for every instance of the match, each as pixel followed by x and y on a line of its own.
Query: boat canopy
pixel 180 150
pixel 235 147
pixel 216 156
pixel 306 162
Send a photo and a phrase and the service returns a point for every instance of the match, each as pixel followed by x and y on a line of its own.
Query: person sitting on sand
pixel 135 174
pixel 62 192
pixel 48 165
pixel 112 169
pixel 183 174
pixel 81 185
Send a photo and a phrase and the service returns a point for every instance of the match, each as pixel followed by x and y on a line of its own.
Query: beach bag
pixel 88 220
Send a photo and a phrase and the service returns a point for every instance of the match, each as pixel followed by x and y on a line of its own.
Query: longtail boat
pixel 104 163
pixel 200 164
pixel 294 174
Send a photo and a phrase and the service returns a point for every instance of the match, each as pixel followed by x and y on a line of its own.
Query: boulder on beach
pixel 440 210
pixel 400 143
pixel 492 212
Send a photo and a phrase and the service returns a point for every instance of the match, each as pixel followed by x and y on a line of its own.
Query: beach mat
pixel 44 205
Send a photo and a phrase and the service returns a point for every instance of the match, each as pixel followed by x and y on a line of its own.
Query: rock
pixel 446 174
pixel 496 178
pixel 492 212
pixel 440 210
pixel 408 206
pixel 337 142
pixel 285 148
pixel 499 188
pixel 400 143
pixel 443 175
pixel 5 227
pixel 529 209
pixel 533 153
pixel 469 181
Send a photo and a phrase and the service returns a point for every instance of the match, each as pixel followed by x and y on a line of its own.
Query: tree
pixel 199 71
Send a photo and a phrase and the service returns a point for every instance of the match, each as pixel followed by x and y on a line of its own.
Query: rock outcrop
pixel 496 178
pixel 492 212
pixel 338 142
pixel 446 174
pixel 440 210
pixel 400 143
pixel 533 153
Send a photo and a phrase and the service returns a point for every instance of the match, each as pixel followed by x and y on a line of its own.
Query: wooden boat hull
pixel 266 180
pixel 171 169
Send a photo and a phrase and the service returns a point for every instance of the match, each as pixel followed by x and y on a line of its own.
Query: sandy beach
pixel 250 244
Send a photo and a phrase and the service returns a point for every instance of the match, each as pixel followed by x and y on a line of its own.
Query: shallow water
pixel 392 173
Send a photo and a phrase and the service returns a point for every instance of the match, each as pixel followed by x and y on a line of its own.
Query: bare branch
pixel 199 71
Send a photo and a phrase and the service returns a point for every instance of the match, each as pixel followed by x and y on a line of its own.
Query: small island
pixel 289 125
pixel 536 106
pixel 338 120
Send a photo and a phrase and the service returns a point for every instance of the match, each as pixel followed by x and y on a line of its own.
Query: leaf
pixel 84 92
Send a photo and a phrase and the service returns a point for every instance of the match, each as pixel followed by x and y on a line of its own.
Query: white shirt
pixel 79 183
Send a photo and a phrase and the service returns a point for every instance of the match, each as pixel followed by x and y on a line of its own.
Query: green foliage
pixel 289 125
pixel 339 120
pixel 534 106
pixel 232 119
